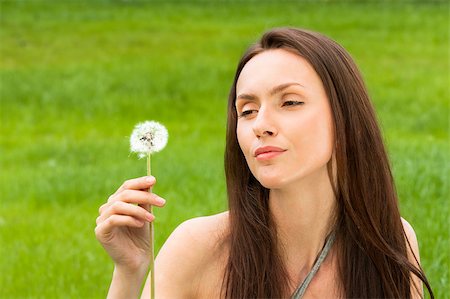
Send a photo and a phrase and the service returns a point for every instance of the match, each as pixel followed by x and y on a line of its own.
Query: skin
pixel 288 108
pixel 280 102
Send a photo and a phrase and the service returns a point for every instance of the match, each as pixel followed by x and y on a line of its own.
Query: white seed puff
pixel 148 137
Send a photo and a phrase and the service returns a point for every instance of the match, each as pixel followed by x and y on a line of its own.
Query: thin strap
pixel 300 291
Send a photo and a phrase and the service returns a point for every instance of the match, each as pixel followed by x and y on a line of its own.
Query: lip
pixel 267 152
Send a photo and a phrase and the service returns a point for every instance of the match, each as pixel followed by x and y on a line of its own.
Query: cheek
pixel 318 138
pixel 243 139
pixel 326 133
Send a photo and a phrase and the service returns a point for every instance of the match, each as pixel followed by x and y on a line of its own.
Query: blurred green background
pixel 77 76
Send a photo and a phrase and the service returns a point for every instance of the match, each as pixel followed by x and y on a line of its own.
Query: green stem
pixel 152 239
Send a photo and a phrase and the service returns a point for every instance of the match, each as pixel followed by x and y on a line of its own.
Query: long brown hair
pixel 370 239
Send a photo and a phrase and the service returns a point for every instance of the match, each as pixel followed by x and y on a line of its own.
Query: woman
pixel 313 211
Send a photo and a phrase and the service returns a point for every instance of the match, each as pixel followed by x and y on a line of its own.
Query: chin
pixel 270 178
pixel 275 180
pixel 270 183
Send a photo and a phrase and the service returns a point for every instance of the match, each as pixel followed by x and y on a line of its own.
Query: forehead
pixel 274 67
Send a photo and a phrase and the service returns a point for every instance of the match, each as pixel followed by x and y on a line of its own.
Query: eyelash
pixel 286 103
pixel 246 112
pixel 293 103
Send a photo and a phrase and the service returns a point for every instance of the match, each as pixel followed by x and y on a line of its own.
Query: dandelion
pixel 147 138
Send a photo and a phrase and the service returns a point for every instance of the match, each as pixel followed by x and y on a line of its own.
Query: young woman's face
pixel 285 125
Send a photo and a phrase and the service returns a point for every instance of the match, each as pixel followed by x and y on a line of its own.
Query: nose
pixel 263 124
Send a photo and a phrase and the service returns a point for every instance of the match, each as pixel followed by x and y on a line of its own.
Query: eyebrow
pixel 275 90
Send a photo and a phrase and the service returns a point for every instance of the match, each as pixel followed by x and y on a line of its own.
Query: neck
pixel 303 215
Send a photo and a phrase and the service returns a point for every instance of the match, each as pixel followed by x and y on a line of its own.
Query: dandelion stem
pixel 152 240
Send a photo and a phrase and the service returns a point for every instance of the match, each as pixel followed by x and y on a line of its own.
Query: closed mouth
pixel 267 152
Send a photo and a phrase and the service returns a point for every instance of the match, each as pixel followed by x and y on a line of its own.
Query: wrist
pixel 134 273
pixel 126 282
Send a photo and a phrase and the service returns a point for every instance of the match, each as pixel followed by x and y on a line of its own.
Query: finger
pixel 103 207
pixel 122 208
pixel 140 183
pixel 104 228
pixel 138 197
pixel 142 198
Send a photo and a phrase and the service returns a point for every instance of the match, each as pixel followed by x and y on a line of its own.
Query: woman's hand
pixel 122 227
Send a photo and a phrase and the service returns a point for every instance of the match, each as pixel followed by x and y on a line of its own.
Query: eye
pixel 247 109
pixel 247 112
pixel 292 103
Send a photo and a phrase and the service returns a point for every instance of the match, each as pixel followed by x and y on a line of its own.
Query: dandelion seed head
pixel 148 137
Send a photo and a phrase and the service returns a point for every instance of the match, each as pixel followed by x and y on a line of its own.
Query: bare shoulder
pixel 206 230
pixel 204 234
pixel 187 253
pixel 411 235
pixel 414 258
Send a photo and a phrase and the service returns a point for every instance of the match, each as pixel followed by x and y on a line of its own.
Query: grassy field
pixel 76 76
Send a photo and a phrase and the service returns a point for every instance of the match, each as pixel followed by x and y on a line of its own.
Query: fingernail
pixel 150 179
pixel 161 200
pixel 149 217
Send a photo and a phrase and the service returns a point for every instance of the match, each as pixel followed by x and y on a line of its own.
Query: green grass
pixel 76 76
